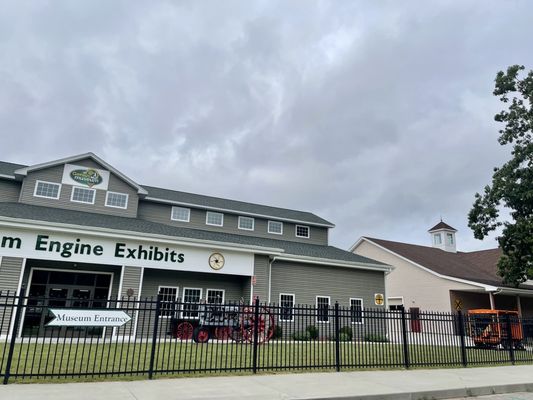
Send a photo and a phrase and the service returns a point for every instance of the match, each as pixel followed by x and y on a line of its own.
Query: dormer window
pixel 48 190
pixel 437 239
pixel 213 218
pixel 83 195
pixel 302 231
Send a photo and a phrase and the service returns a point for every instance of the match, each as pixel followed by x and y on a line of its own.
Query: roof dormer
pixel 443 237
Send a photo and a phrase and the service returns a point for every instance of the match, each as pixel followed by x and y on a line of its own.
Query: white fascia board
pixel 24 171
pixel 244 213
pixel 334 263
pixel 487 288
pixel 517 291
pixel 356 244
pixel 11 177
pixel 147 237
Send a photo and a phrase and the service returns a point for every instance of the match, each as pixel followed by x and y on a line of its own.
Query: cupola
pixel 443 237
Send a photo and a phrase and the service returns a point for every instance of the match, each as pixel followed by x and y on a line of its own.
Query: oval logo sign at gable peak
pixel 89 177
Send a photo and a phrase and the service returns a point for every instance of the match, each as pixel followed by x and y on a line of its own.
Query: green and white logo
pixel 89 177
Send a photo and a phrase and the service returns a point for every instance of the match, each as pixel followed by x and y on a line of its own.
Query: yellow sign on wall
pixel 379 300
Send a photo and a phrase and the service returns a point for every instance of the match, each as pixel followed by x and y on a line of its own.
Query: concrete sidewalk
pixel 398 385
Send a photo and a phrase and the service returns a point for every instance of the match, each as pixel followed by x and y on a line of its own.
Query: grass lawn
pixel 88 361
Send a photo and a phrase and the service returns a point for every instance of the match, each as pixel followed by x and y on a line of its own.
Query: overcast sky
pixel 376 115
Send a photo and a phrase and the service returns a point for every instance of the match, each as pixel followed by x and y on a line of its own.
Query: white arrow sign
pixel 80 317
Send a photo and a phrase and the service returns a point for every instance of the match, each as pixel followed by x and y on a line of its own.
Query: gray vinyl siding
pixel 10 270
pixel 261 273
pixel 131 279
pixel 153 279
pixel 158 212
pixel 9 191
pixel 307 281
pixel 55 174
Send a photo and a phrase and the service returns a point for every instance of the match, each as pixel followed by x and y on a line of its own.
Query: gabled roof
pixel 155 194
pixel 23 171
pixel 35 214
pixel 478 266
pixel 239 207
pixel 442 225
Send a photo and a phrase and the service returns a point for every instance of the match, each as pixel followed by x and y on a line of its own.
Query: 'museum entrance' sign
pixel 80 317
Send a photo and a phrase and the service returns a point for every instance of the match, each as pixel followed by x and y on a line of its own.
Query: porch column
pixel 518 306
pixel 491 298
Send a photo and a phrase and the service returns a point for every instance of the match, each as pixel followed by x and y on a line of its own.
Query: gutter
pixel 335 263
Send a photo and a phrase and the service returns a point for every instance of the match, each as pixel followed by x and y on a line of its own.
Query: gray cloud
pixel 376 117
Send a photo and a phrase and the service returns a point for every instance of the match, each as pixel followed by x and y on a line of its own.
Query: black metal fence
pixel 167 337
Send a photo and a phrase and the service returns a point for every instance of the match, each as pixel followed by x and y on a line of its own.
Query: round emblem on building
pixel 216 261
pixel 379 300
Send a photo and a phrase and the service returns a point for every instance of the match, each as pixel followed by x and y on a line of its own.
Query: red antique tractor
pixel 224 322
pixel 490 328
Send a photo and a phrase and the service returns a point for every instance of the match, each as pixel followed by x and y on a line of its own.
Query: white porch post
pixel 491 298
pixel 519 306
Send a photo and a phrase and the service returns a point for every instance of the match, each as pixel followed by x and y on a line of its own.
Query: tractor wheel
pixel 265 325
pixel 200 335
pixel 184 331
pixel 223 333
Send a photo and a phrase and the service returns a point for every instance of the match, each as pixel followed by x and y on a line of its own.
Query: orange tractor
pixel 490 328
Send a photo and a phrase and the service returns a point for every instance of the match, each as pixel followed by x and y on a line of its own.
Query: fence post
pixel 462 337
pixel 154 338
pixel 337 339
pixel 18 312
pixel 510 337
pixel 256 334
pixel 405 344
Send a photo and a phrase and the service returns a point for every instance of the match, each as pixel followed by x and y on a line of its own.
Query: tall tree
pixel 512 183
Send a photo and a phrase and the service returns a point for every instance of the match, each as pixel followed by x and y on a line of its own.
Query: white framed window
pixel 116 200
pixel 302 231
pixel 47 190
pixel 167 295
pixel 395 303
pixel 437 238
pixel 356 310
pixel 214 218
pixel 82 195
pixel 180 214
pixel 275 227
pixel 246 223
pixel 215 296
pixel 322 309
pixel 449 238
pixel 286 307
pixel 191 302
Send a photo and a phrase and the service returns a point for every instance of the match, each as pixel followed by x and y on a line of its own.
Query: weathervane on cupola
pixel 443 237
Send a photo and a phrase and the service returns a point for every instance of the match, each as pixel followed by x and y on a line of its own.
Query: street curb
pixel 439 394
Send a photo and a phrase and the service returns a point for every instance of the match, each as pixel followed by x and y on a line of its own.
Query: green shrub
pixel 313 331
pixel 278 332
pixel 347 330
pixel 344 337
pixel 301 336
pixel 372 337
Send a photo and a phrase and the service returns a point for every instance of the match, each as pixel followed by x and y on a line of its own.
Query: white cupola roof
pixel 443 237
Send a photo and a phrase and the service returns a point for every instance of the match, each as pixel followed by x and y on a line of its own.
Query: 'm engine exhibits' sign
pixel 62 246
pixel 88 317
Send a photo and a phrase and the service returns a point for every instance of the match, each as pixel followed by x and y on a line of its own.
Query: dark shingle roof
pixel 442 225
pixel 7 168
pixel 477 266
pixel 234 205
pixel 135 225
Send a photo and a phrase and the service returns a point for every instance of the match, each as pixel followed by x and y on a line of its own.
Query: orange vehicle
pixel 489 328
